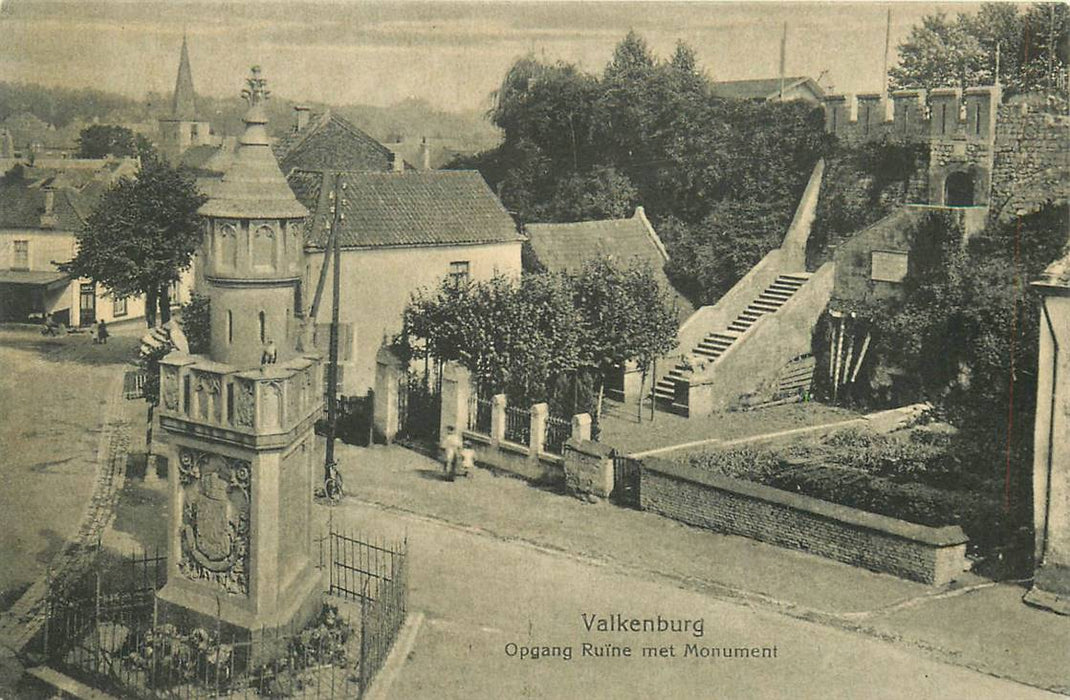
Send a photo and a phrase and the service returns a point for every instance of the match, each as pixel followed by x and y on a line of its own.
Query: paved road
pixel 482 594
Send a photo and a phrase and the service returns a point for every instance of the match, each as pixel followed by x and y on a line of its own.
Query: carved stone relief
pixel 215 519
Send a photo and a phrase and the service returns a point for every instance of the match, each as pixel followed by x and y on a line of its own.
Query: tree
pixel 941 52
pixel 103 140
pixel 141 236
pixel 196 323
pixel 541 335
pixel 625 316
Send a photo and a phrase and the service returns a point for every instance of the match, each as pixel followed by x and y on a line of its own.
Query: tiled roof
pixel 23 204
pixel 562 247
pixel 760 89
pixel 330 142
pixel 568 246
pixel 442 207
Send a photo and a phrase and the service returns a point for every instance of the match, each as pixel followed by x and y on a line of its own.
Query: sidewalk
pixel 973 622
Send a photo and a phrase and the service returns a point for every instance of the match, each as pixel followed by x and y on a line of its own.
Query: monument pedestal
pixel 243 449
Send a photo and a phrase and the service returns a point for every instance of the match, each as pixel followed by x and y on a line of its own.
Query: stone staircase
pixel 716 343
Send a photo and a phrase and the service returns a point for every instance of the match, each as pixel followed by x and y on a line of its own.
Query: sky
pixel 452 54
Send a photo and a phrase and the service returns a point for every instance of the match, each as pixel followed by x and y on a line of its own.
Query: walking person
pixel 102 333
pixel 451 448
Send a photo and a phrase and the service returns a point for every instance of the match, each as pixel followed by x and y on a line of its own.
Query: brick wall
pixel 876 542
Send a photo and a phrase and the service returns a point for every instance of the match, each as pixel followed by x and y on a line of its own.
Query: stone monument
pixel 238 422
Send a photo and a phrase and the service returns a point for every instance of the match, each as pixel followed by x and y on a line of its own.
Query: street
pixel 482 595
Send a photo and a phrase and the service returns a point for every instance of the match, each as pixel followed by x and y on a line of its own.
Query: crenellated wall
pixel 982 152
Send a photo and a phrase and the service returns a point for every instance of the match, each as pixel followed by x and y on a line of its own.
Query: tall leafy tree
pixel 102 140
pixel 626 316
pixel 960 52
pixel 142 236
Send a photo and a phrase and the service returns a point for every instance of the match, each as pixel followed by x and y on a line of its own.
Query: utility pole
pixel 338 189
pixel 887 49
pixel 783 59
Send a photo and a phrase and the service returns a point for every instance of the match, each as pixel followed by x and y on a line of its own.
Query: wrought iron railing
pixel 518 425
pixel 557 433
pixel 479 411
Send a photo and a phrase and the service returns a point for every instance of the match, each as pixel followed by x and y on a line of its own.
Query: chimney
pixel 425 155
pixel 397 163
pixel 48 217
pixel 301 114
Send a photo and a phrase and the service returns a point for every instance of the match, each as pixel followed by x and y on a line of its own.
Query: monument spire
pixel 183 105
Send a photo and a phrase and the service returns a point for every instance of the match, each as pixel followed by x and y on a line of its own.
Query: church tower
pixel 183 129
pixel 239 421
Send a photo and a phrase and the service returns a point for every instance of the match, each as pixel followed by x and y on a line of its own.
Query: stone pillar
pixel 581 426
pixel 456 389
pixel 1051 453
pixel 497 417
pixel 871 113
pixel 388 370
pixel 539 413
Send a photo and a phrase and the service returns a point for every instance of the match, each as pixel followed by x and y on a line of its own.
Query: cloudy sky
pixel 451 53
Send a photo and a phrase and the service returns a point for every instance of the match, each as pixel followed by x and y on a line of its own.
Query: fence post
pixel 539 413
pixel 581 426
pixel 388 370
pixel 497 418
pixel 456 387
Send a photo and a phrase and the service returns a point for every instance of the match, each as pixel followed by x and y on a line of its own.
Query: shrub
pixel 196 323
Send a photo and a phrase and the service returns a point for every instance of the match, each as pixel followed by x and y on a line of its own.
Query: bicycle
pixel 333 487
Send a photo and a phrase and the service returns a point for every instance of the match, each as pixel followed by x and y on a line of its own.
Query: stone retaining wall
pixel 933 555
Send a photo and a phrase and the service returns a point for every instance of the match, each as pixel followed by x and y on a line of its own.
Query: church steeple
pixel 183 105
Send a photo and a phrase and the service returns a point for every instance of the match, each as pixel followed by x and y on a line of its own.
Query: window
pixel 22 256
pixel 230 326
pixel 118 307
pixel 263 327
pixel 459 270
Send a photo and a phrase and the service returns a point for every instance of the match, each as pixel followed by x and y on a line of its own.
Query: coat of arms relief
pixel 215 519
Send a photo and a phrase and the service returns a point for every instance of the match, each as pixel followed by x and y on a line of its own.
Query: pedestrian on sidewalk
pixel 102 333
pixel 451 447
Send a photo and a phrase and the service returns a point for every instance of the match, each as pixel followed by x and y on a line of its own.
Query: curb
pixel 380 687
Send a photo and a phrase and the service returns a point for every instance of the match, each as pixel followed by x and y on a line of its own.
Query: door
pixel 87 305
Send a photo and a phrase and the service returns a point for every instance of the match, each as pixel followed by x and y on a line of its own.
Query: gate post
pixel 581 426
pixel 497 418
pixel 456 388
pixel 539 413
pixel 388 369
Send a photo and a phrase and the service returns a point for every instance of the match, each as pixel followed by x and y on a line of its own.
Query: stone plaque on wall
pixel 889 266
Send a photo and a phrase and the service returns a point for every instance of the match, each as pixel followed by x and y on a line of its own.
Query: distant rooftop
pixel 766 88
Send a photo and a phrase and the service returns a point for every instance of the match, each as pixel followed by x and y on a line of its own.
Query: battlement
pixel 942 114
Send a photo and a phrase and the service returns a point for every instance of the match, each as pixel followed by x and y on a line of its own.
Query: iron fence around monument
pixel 120 640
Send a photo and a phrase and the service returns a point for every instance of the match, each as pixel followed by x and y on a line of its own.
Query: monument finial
pixel 255 90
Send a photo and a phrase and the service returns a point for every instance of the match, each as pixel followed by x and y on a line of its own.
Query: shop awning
pixel 35 278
